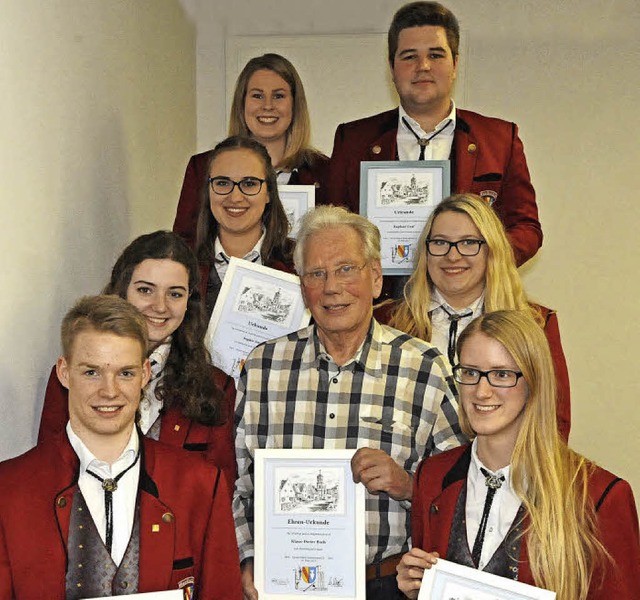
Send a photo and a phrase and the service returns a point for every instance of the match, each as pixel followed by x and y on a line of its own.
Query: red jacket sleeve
pixel 220 562
pixel 221 448
pixel 190 197
pixel 55 410
pixel 618 523
pixel 518 210
pixel 563 408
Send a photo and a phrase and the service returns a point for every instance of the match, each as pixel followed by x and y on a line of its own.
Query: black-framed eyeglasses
pixel 343 274
pixel 437 247
pixel 501 378
pixel 249 186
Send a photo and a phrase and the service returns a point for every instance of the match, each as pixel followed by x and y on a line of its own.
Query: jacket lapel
pixel 157 530
pixel 465 156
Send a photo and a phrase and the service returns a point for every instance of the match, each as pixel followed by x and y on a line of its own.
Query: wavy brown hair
pixel 188 376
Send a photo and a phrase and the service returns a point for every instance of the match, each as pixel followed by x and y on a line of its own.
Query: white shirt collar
pixel 477 464
pixel 451 117
pixel 220 253
pixel 88 459
pixel 437 301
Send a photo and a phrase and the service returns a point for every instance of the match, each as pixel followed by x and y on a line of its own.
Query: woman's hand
pixel 411 568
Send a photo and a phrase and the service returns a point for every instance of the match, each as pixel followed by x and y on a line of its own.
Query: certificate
pixel 450 581
pixel 399 197
pixel 255 304
pixel 296 200
pixel 309 525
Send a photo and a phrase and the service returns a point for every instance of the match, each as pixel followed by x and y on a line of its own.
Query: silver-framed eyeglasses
pixel 501 378
pixel 343 274
pixel 223 186
pixel 438 247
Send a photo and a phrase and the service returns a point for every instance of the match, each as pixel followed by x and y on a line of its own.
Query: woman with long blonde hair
pixel 517 502
pixel 464 267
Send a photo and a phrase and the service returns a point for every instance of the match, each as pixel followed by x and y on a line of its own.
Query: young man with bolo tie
pixel 101 510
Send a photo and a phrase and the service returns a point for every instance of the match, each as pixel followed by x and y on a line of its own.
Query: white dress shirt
pixel 439 148
pixel 150 406
pixel 124 498
pixel 222 259
pixel 503 509
pixel 440 319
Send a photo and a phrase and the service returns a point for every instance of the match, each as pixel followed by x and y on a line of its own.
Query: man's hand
pixel 380 473
pixel 411 569
pixel 246 575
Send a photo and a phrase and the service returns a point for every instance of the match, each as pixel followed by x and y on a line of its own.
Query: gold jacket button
pixel 376 149
pixel 471 148
pixel 61 501
pixel 167 517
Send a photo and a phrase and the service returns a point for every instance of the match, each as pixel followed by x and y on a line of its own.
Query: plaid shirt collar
pixel 368 357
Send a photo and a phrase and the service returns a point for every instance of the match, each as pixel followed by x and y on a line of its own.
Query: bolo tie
pixel 109 486
pixel 493 482
pixel 453 331
pixel 424 142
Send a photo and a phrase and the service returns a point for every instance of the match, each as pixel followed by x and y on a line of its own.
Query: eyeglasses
pixel 464 247
pixel 343 274
pixel 223 186
pixel 500 378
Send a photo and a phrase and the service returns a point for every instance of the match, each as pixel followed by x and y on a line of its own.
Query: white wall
pixel 569 74
pixel 97 114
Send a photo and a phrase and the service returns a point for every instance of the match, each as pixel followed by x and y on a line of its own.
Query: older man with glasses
pixel 346 382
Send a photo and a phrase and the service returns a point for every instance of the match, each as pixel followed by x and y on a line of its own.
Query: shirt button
pixel 332 415
pixel 335 380
pixel 490 529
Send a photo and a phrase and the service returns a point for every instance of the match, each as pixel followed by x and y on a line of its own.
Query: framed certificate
pixel 399 197
pixel 255 304
pixel 450 581
pixel 309 525
pixel 297 200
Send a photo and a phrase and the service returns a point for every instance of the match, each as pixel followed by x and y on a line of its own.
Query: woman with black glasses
pixel 465 267
pixel 517 502
pixel 240 215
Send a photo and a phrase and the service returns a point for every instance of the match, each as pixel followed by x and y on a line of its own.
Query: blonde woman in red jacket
pixel 518 502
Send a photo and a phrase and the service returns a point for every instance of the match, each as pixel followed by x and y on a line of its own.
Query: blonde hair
pixel 550 479
pixel 503 287
pixel 298 150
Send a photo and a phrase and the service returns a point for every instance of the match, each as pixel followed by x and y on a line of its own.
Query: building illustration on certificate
pixel 304 490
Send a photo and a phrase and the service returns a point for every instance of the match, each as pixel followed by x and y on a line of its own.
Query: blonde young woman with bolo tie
pixel 517 502
pixel 465 267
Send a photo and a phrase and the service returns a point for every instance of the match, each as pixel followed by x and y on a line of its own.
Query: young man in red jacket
pixel 101 510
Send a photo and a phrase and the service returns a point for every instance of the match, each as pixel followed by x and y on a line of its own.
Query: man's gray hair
pixel 323 217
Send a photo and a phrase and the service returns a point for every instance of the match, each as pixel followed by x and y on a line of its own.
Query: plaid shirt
pixel 397 394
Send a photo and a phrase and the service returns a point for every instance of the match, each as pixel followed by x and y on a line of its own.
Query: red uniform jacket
pixel 217 443
pixel 186 526
pixel 487 159
pixel 439 480
pixel 384 312
pixel 194 184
